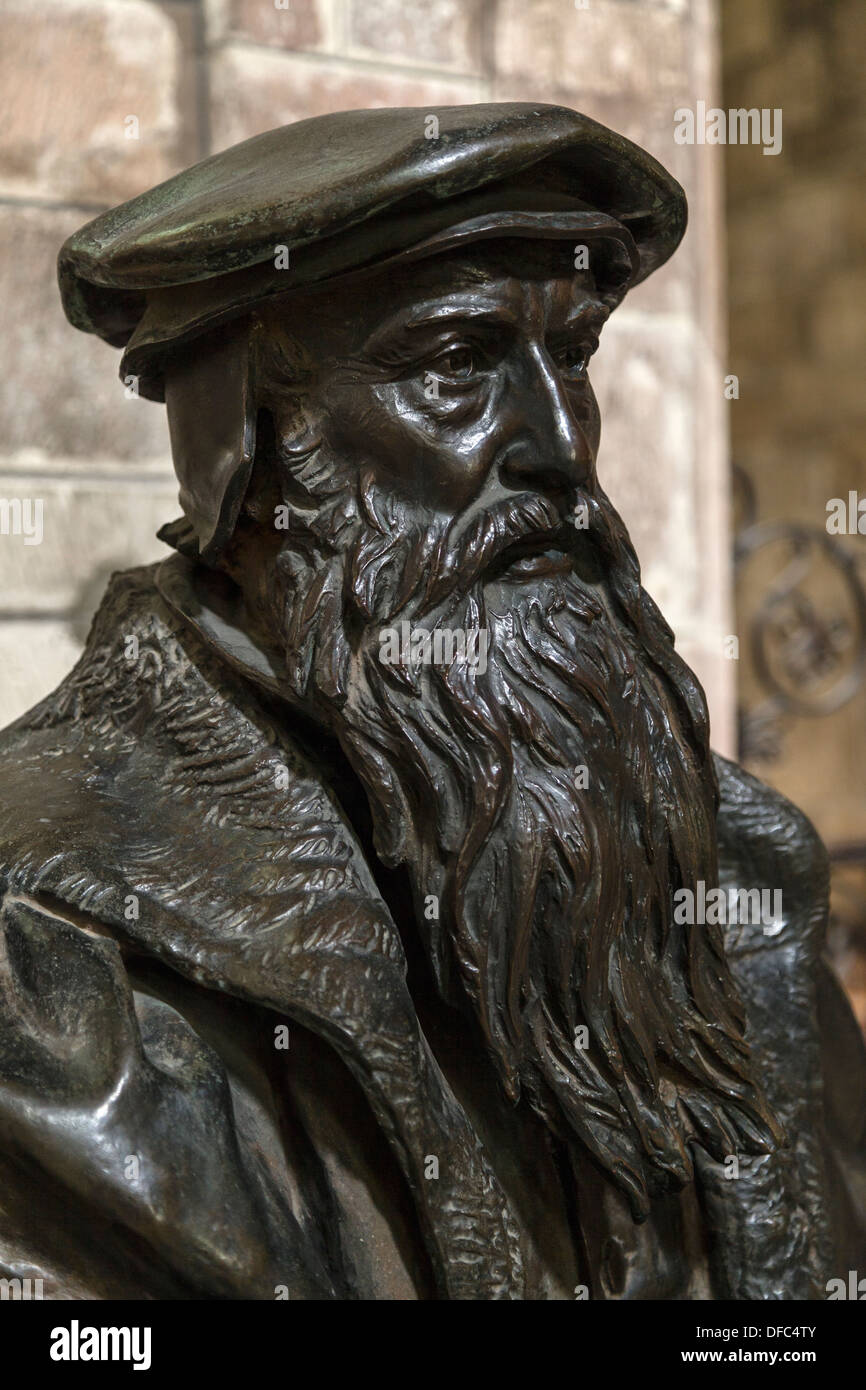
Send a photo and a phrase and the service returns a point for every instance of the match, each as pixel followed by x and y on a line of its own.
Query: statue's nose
pixel 551 449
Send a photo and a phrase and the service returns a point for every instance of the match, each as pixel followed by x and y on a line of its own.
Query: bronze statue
pixel 370 917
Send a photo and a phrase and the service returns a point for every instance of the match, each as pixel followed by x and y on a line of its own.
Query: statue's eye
pixel 458 363
pixel 572 361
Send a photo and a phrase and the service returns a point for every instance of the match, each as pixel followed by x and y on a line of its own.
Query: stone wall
pixel 102 98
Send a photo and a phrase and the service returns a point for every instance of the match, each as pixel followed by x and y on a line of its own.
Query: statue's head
pixel 373 337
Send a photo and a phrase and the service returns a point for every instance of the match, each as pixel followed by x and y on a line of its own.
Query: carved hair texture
pixel 621 1028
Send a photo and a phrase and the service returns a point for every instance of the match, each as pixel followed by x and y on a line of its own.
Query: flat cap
pixel 341 192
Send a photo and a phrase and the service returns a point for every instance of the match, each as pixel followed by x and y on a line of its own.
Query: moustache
pixel 518 538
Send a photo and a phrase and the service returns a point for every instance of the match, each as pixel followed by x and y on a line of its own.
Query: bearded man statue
pixel 344 955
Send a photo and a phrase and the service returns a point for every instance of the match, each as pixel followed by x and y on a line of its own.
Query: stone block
pixel 88 108
pixel 35 655
pixel 290 24
pixel 606 49
pixel 256 89
pixel 643 375
pixel 435 33
pixel 88 527
pixel 59 389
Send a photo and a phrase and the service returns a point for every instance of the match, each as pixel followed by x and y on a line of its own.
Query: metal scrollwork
pixel 807 644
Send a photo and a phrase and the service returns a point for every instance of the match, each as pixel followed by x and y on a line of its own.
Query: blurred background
pixel 731 384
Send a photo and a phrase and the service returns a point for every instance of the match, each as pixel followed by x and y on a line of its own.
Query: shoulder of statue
pixel 767 844
pixel 154 790
pixel 156 802
pixel 807 1049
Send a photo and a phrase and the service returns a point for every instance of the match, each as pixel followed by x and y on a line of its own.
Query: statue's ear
pixel 212 423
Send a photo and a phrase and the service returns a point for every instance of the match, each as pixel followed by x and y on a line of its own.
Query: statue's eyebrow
pixel 477 313
pixel 588 311
pixel 438 316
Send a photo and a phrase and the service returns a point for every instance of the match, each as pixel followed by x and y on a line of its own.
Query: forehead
pixel 517 278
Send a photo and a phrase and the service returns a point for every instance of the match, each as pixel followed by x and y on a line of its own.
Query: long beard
pixel 546 807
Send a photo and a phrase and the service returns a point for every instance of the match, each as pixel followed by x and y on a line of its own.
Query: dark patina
pixel 342 951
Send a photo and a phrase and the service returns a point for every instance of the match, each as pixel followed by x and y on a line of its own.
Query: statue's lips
pixel 534 555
